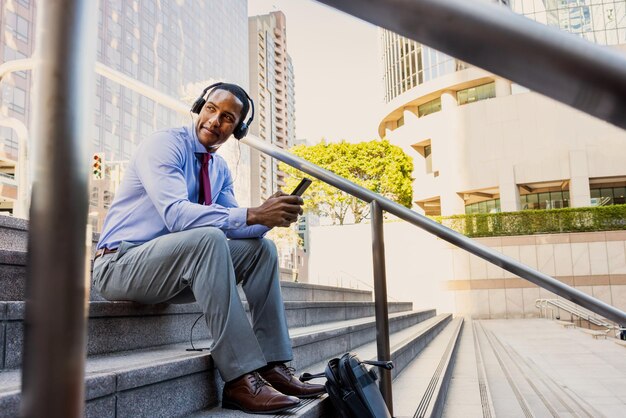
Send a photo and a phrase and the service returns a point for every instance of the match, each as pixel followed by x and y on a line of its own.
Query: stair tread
pixel 468 394
pixel 14 310
pixel 126 366
pixel 555 371
pixel 137 359
pixel 411 384
pixel 13 257
pixel 311 407
pixel 336 325
pixel 396 341
pixel 307 407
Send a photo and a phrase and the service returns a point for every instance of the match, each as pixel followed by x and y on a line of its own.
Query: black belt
pixel 104 251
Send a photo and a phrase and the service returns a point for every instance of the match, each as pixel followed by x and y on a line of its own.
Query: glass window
pixel 544 201
pixel 595 193
pixel 486 206
pixel 619 195
pixel 606 196
pixel 19 99
pixel 473 94
pixel 429 107
pixel 532 201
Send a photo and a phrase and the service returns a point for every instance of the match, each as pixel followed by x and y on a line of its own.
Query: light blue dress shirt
pixel 159 192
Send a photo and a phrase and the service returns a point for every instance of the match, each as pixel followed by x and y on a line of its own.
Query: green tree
pixel 376 165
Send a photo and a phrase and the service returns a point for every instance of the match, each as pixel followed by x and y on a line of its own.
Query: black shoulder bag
pixel 352 387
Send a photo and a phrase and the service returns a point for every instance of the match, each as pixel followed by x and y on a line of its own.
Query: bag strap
pixel 382 364
pixel 305 377
pixel 330 373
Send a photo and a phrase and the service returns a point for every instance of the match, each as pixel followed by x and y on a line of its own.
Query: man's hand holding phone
pixel 280 209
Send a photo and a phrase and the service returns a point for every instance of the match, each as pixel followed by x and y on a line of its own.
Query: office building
pixel 484 144
pixel 175 47
pixel 481 143
pixel 272 88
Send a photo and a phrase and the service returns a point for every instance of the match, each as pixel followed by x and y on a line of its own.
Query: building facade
pixel 175 47
pixel 481 143
pixel 17 41
pixel 272 88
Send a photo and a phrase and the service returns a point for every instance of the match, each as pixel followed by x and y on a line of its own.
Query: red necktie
pixel 204 197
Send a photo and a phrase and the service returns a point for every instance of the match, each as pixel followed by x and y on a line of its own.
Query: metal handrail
pixel 57 284
pixel 378 204
pixel 453 237
pixel 576 310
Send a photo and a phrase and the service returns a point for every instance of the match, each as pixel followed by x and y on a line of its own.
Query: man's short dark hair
pixel 239 93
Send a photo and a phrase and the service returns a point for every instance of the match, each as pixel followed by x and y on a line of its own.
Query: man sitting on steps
pixel 165 240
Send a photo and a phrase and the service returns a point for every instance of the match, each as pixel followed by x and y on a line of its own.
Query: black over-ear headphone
pixel 242 128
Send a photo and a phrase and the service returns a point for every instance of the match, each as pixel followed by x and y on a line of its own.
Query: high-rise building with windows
pixel 17 40
pixel 175 47
pixel 482 144
pixel 272 88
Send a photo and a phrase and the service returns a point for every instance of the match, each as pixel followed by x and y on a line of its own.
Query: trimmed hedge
pixel 528 222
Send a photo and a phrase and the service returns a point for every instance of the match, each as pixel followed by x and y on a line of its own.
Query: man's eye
pixel 229 119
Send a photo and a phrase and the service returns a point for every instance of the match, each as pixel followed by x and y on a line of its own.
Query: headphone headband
pixel 242 128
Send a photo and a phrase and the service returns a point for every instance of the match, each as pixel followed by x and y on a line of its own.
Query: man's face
pixel 218 118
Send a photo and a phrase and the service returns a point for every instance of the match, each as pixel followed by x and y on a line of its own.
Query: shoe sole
pixel 231 405
pixel 314 395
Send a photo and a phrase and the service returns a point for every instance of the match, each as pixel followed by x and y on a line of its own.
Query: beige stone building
pixel 483 144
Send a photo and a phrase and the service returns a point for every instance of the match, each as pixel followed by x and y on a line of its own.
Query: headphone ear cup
pixel 241 131
pixel 198 105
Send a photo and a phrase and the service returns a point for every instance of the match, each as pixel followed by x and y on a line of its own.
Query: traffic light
pixel 97 166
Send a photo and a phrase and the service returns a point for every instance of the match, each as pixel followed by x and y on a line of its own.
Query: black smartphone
pixel 301 187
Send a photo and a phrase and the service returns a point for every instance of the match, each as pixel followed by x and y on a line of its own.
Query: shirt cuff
pixel 237 218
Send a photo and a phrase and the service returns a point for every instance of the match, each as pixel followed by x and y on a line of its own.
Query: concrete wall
pixel 432 273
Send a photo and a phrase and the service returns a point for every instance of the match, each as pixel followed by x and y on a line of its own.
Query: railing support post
pixel 380 301
pixel 57 277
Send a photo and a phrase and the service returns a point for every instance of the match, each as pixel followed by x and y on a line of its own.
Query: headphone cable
pixel 193 348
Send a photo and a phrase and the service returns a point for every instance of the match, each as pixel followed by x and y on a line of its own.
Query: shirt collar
pixel 198 148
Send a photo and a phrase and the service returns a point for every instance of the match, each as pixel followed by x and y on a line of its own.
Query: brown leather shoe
pixel 252 394
pixel 282 378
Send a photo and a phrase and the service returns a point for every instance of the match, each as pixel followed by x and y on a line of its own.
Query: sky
pixel 338 75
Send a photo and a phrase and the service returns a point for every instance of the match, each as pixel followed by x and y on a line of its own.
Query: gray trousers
pixel 202 265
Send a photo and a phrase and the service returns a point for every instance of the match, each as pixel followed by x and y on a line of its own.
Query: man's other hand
pixel 279 210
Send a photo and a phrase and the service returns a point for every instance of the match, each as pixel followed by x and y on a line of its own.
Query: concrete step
pixel 168 381
pixel 321 342
pixel 163 381
pixel 469 393
pixel 422 386
pixel 538 368
pixel 13 233
pixel 120 326
pixel 13 284
pixel 404 344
